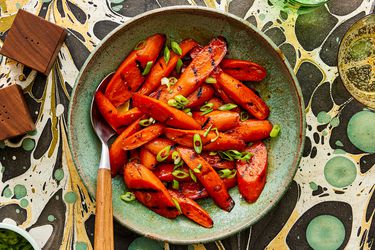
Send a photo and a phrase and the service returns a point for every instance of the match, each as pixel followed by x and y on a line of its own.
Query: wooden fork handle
pixel 103 237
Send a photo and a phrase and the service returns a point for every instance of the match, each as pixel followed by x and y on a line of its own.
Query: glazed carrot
pixel 149 190
pixel 117 120
pixel 195 51
pixel 251 130
pixel 149 49
pixel 117 155
pixel 147 159
pixel 158 144
pixel 162 69
pixel 216 103
pixel 134 156
pixel 198 70
pixel 243 70
pixel 200 96
pixel 164 173
pixel 195 190
pixel 251 176
pixel 162 112
pixel 142 137
pixel 128 77
pixel 208 177
pixel 222 143
pixel 216 162
pixel 243 96
pixel 192 210
pixel 222 120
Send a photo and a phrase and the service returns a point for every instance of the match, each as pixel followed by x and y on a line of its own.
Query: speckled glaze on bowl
pixel 280 90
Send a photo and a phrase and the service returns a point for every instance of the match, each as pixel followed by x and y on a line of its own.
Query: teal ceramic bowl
pixel 280 90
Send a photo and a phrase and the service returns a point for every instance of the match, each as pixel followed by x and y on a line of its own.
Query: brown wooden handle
pixel 103 237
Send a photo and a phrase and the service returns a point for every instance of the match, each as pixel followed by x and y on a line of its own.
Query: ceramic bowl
pixel 280 90
pixel 21 232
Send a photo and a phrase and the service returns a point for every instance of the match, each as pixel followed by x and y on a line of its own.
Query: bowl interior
pixel 280 90
pixel 21 232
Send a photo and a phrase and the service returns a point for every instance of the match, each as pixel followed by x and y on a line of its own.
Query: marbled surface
pixel 331 202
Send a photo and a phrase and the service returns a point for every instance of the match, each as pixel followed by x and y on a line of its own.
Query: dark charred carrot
pixel 243 96
pixel 149 190
pixel 222 120
pixel 117 155
pixel 198 70
pixel 243 70
pixel 208 177
pixel 222 143
pixel 192 210
pixel 147 158
pixel 162 112
pixel 142 137
pixel 164 173
pixel 216 162
pixel 128 77
pixel 251 130
pixel 162 69
pixel 113 117
pixel 200 96
pixel 251 176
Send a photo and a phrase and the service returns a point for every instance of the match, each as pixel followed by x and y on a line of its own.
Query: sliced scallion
pixel 176 158
pixel 163 154
pixel 246 156
pixel 217 134
pixel 244 116
pixel 167 54
pixel 210 80
pixel 197 143
pixel 175 184
pixel 227 173
pixel 173 103
pixel 223 155
pixel 146 122
pixel 176 48
pixel 181 100
pixel 227 106
pixel 177 205
pixel 147 68
pixel 179 66
pixel 212 153
pixel 198 169
pixel 128 196
pixel 275 130
pixel 207 131
pixel 179 174
pixel 192 176
pixel 206 107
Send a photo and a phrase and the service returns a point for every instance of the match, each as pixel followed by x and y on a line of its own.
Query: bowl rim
pixel 26 235
pixel 302 128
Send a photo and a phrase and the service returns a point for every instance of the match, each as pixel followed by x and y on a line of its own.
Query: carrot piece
pixel 147 159
pixel 251 176
pixel 208 177
pixel 162 69
pixel 222 120
pixel 251 130
pixel 243 70
pixel 150 49
pixel 128 76
pixel 216 102
pixel 200 96
pixel 164 173
pixel 158 144
pixel 193 190
pixel 119 89
pixel 117 155
pixel 222 143
pixel 113 117
pixel 142 137
pixel 216 162
pixel 149 190
pixel 192 210
pixel 243 96
pixel 162 112
pixel 198 70
pixel 195 51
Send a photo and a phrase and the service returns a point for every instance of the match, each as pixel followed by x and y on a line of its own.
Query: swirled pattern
pixel 331 202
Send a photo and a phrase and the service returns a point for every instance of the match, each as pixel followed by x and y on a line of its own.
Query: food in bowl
pixel 193 129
